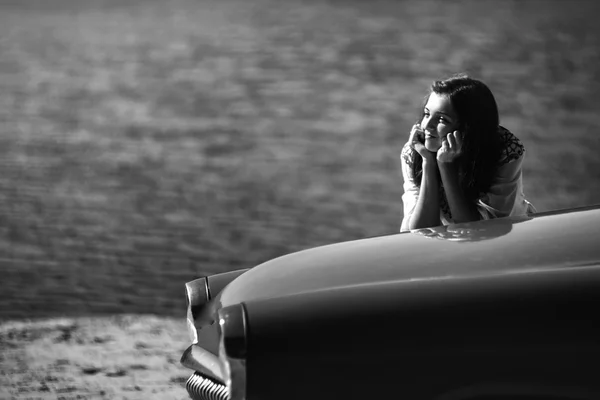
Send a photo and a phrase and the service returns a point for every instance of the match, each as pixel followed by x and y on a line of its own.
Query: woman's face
pixel 439 119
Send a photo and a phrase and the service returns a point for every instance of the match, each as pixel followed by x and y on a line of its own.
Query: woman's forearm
pixel 461 208
pixel 427 209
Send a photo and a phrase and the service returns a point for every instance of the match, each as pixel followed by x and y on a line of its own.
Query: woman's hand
pixel 451 148
pixel 416 140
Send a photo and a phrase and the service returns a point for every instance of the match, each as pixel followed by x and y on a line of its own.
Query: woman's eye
pixel 426 114
pixel 443 120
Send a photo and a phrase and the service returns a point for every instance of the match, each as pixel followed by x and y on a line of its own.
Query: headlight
pixel 232 349
pixel 196 296
pixel 218 350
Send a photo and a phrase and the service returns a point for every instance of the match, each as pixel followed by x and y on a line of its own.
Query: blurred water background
pixel 146 143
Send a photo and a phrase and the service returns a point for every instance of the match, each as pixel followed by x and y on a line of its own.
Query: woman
pixel 459 164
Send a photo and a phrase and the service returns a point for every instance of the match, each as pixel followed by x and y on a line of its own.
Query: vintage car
pixel 491 310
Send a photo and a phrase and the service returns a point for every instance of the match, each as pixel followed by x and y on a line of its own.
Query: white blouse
pixel 504 198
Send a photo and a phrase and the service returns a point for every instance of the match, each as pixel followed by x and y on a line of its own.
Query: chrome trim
pixel 198 359
pixel 203 388
pixel 202 297
pixel 232 349
pixel 196 295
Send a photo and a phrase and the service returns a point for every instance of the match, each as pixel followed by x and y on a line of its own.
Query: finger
pixel 444 147
pixel 413 132
pixel 458 138
pixel 417 136
pixel 451 141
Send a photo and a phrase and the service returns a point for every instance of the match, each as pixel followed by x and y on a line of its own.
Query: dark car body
pixel 498 309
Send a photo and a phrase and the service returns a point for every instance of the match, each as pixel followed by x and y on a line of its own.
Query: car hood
pixel 501 246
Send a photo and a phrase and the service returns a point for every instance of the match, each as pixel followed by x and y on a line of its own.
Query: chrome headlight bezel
pixel 233 326
pixel 218 336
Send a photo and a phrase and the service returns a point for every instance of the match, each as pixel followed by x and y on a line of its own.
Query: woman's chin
pixel 431 146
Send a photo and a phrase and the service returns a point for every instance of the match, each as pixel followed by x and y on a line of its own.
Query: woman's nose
pixel 426 124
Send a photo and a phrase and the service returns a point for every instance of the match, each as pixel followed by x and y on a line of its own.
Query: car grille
pixel 200 387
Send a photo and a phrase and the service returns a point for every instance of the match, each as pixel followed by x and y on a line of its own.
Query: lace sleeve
pixel 411 190
pixel 513 147
pixel 505 196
